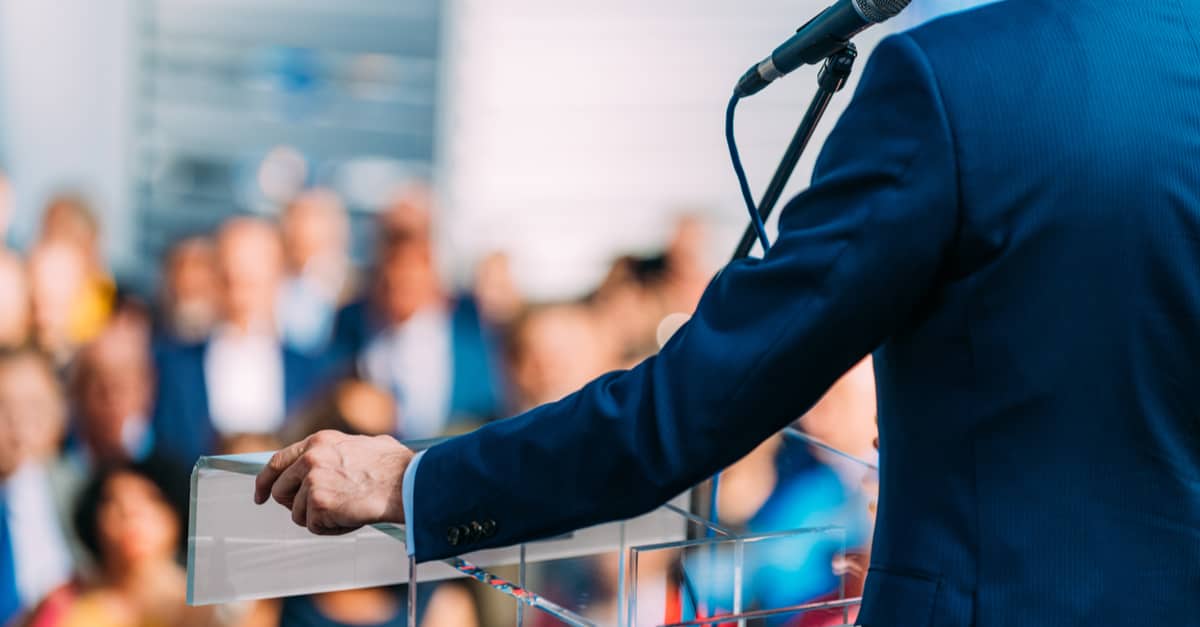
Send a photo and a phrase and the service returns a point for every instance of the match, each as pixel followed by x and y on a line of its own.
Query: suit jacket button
pixel 476 531
pixel 489 528
pixel 453 536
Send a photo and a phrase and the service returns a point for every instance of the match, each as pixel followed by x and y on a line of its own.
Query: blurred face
pixel 14 302
pixel 410 212
pixel 495 289
pixel 192 284
pixel 559 350
pixel 68 220
pixel 406 281
pixel 115 389
pixel 135 523
pixel 250 262
pixel 313 227
pixel 32 413
pixel 57 275
pixel 631 313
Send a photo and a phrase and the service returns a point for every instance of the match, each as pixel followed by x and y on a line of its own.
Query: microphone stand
pixel 831 79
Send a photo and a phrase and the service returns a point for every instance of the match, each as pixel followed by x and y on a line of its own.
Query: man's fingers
pixel 288 483
pixel 300 505
pixel 280 462
pixel 329 530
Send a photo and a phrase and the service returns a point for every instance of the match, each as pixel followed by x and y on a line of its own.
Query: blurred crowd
pixel 263 332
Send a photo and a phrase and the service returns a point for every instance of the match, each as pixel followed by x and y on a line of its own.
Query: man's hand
pixel 335 483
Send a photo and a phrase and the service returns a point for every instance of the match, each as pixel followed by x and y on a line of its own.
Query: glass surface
pixel 238 550
pixel 767 579
pixel 580 590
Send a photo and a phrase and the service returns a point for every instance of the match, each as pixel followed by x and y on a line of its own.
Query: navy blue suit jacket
pixel 181 424
pixel 1008 215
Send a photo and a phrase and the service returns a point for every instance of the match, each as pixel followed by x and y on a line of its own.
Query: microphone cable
pixel 743 184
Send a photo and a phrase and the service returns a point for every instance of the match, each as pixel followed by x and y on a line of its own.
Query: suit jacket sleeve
pixel 857 256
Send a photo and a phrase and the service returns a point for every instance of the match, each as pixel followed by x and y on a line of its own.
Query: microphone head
pixel 879 10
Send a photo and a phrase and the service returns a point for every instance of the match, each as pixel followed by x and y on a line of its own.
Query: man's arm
pixel 856 257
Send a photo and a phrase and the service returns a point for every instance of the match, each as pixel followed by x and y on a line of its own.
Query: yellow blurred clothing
pixel 92 309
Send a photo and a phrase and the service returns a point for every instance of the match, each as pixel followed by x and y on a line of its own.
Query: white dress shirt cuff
pixel 409 485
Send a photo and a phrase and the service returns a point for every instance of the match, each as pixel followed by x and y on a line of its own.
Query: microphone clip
pixel 837 68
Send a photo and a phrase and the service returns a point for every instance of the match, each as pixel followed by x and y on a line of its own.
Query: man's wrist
pixel 398 464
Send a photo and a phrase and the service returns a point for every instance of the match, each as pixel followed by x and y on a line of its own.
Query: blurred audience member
pixel 553 350
pixel 496 291
pixel 242 379
pixel 112 385
pixel 316 237
pixel 63 314
pixel 409 337
pixel 190 293
pixel 34 491
pixel 351 406
pixel 68 220
pixel 130 517
pixel 644 300
pixel 15 308
pixel 630 305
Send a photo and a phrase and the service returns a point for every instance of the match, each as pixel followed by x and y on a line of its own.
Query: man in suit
pixel 242 378
pixel 1008 216
pixel 431 350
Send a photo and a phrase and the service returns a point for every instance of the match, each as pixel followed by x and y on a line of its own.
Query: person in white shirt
pixel 243 367
pixel 243 379
pixel 430 350
pixel 33 530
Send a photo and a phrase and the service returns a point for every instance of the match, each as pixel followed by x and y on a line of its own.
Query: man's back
pixel 1040 420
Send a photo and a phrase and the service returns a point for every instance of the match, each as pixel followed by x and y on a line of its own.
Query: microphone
pixel 822 36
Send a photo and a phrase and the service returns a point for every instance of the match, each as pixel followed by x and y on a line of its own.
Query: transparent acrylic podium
pixel 669 567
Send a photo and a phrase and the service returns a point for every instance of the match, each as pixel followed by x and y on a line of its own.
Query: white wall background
pixel 580 129
pixel 65 85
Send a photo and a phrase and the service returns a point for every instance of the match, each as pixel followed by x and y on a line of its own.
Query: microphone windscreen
pixel 880 10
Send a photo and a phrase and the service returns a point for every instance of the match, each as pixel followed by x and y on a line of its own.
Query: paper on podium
pixel 238 550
